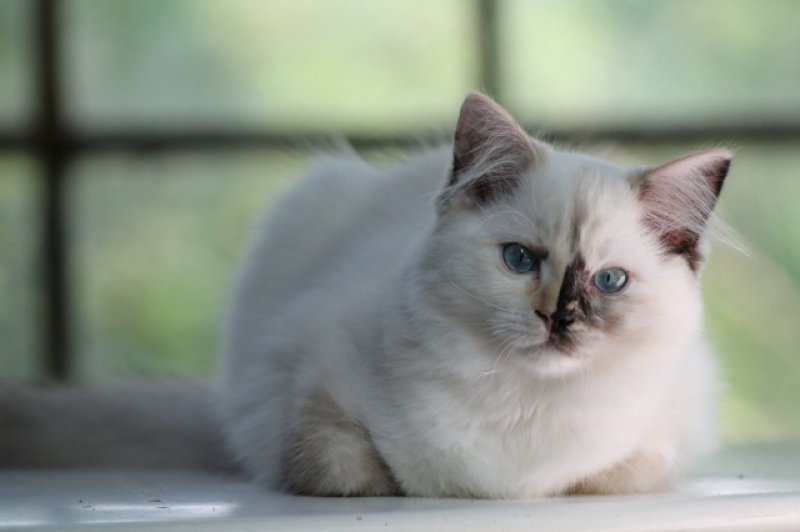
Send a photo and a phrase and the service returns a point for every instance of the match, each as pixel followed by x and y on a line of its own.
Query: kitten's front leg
pixel 327 453
pixel 647 470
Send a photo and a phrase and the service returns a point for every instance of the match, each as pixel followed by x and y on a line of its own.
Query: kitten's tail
pixel 158 425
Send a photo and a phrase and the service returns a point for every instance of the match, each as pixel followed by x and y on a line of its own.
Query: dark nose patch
pixel 572 304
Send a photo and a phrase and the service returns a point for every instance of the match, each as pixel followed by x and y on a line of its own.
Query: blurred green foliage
pixel 19 227
pixel 285 65
pixel 156 238
pixel 623 61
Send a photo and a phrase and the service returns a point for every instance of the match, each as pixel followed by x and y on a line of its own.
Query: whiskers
pixel 503 352
pixel 512 337
pixel 516 336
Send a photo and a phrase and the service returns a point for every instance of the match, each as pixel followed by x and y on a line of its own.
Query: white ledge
pixel 740 489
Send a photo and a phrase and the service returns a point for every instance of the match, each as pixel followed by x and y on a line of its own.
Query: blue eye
pixel 518 258
pixel 610 280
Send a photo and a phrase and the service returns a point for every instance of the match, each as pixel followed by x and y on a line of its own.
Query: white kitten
pixel 533 328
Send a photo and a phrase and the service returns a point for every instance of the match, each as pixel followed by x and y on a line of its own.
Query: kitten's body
pixel 404 325
pixel 378 344
pixel 312 312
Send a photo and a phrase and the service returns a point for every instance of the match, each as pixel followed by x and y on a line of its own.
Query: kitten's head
pixel 561 259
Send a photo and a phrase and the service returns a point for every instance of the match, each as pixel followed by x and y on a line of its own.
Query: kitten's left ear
pixel 679 197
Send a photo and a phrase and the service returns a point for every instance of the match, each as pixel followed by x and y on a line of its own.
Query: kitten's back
pixel 345 221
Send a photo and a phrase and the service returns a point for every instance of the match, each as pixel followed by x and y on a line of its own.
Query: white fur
pixel 411 324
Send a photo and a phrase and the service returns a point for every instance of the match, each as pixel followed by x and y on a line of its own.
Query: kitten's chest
pixel 536 442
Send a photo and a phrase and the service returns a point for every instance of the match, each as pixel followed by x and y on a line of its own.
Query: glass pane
pixel 576 62
pixel 19 233
pixel 753 297
pixel 15 62
pixel 301 64
pixel 157 240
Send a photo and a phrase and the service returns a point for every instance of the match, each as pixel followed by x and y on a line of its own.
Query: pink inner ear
pixel 711 165
pixel 680 196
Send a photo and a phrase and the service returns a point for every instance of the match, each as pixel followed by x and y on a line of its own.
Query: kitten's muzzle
pixel 546 319
pixel 558 322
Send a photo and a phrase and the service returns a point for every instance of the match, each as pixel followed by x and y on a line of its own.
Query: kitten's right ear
pixel 491 152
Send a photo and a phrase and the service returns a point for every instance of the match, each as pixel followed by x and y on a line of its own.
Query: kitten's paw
pixel 330 454
pixel 643 472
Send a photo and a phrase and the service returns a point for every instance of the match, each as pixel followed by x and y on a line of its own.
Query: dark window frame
pixel 54 145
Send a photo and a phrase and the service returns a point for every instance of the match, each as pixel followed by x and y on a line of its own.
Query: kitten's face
pixel 560 260
pixel 564 270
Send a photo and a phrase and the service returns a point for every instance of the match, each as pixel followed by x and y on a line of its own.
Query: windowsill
pixel 754 488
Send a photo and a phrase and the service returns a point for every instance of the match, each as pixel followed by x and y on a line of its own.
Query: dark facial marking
pixel 573 302
pixel 579 301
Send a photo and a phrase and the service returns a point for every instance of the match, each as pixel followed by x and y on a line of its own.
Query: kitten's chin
pixel 549 360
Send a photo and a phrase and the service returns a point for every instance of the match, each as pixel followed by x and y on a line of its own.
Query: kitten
pixel 502 320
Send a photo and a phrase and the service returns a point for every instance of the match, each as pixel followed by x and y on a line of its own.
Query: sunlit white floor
pixel 739 489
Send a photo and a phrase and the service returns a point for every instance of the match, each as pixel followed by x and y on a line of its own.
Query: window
pixel 139 139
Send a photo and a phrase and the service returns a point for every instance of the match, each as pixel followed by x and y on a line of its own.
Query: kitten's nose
pixel 546 319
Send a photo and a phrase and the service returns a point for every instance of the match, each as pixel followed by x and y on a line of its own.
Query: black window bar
pixel 55 144
pixel 50 147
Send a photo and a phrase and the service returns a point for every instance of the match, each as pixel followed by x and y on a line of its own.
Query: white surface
pixel 750 489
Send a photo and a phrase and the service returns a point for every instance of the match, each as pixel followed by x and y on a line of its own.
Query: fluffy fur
pixel 387 296
pixel 377 344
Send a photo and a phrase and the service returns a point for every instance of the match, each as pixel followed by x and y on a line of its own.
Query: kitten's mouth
pixel 551 343
pixel 560 342
pixel 551 356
